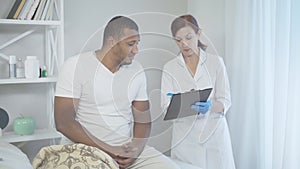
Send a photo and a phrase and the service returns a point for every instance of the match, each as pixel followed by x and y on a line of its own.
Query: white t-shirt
pixel 105 98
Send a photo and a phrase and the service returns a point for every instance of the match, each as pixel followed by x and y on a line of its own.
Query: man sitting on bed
pixel 101 100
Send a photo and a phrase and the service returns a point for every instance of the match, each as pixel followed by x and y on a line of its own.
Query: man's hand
pixel 126 154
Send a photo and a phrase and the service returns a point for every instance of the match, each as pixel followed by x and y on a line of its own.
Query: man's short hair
pixel 115 27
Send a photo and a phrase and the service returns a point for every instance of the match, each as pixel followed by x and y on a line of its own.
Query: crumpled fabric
pixel 73 156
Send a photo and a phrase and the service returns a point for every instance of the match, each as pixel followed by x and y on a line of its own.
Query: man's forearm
pixel 65 114
pixel 142 123
pixel 141 132
pixel 76 133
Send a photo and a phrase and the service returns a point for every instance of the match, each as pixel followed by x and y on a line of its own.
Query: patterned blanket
pixel 73 156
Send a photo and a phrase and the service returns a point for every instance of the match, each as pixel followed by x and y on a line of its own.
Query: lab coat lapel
pixel 200 69
pixel 184 68
pixel 181 62
pixel 199 72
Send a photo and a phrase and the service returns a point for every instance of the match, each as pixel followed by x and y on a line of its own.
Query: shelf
pixel 39 134
pixel 22 81
pixel 44 39
pixel 30 22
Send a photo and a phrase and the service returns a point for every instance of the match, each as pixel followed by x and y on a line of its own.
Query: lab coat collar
pixel 198 74
pixel 203 57
pixel 180 60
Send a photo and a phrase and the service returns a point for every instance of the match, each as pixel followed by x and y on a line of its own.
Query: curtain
pixel 262 55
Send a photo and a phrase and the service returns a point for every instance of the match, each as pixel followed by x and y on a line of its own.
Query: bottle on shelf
pixel 20 68
pixel 32 67
pixel 12 66
pixel 44 71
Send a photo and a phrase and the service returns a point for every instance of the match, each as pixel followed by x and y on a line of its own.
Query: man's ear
pixel 111 41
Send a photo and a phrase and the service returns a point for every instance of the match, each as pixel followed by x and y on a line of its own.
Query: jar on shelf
pixel 32 67
pixel 20 68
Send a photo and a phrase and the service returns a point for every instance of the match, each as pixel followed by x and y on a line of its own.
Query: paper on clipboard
pixel 180 105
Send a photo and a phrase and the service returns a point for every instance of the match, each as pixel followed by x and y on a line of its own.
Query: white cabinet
pixel 31 97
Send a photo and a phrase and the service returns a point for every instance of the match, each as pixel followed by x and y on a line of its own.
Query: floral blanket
pixel 73 156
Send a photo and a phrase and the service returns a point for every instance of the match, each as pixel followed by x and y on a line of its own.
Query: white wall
pixel 84 21
pixel 211 18
pixel 83 18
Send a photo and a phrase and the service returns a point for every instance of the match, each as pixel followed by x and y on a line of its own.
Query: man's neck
pixel 106 57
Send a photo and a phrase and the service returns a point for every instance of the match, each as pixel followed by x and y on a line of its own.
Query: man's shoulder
pixel 79 59
pixel 84 55
pixel 71 60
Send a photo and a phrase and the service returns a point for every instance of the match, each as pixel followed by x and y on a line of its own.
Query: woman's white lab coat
pixel 204 142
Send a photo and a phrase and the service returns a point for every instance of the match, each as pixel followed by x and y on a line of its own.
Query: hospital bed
pixel 184 165
pixel 12 157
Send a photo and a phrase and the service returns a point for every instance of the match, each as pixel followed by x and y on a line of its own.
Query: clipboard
pixel 180 105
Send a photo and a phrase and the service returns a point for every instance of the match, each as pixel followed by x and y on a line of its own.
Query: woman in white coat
pixel 202 140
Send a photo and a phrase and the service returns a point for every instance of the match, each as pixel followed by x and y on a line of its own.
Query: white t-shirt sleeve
pixel 141 94
pixel 68 84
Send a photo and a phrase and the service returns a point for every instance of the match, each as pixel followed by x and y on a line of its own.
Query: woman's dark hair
pixel 186 20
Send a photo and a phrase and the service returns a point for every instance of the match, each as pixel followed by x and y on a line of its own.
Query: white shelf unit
pixel 39 134
pixel 29 22
pixel 24 81
pixel 50 41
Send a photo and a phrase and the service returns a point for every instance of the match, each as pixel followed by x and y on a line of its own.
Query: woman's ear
pixel 199 33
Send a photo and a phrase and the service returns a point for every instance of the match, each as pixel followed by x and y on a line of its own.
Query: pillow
pixel 12 157
pixel 72 156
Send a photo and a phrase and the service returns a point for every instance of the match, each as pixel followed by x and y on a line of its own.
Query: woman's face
pixel 187 41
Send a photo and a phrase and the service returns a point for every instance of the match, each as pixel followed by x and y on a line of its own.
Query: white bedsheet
pixel 184 165
pixel 12 157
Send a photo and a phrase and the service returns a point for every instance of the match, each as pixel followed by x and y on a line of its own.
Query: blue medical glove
pixel 202 107
pixel 170 94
